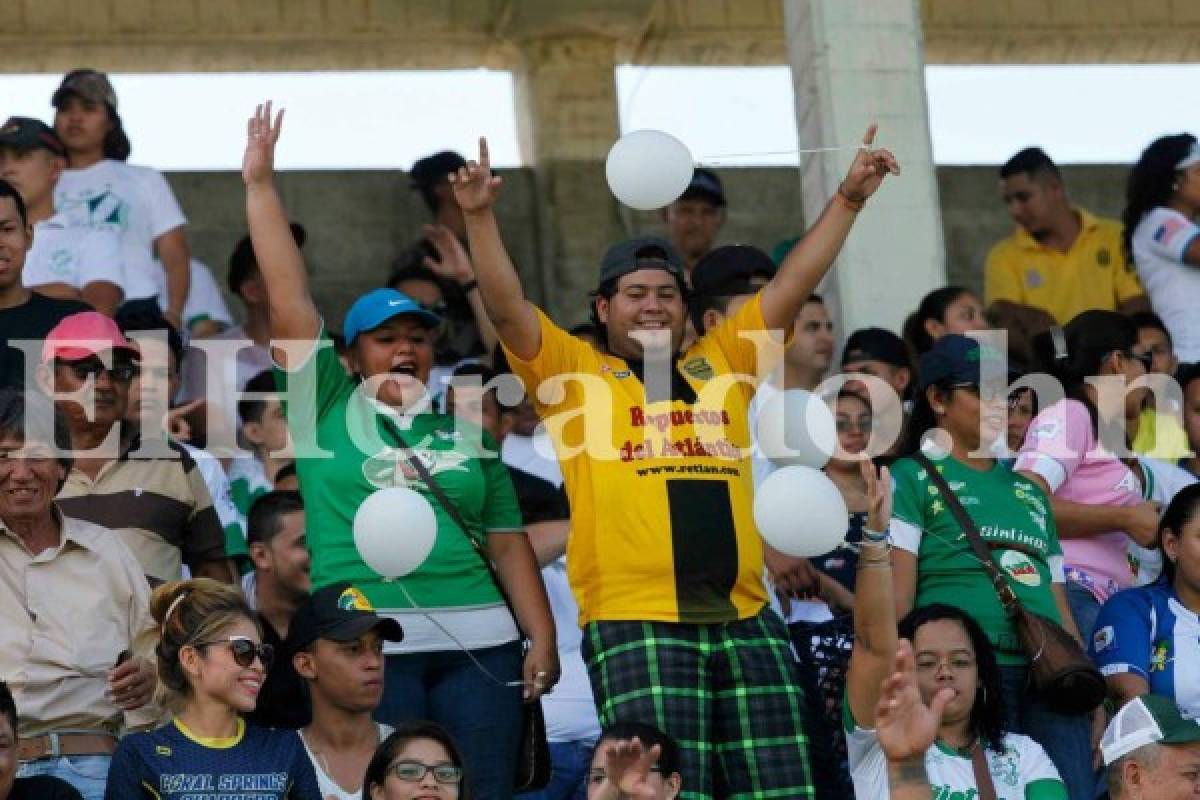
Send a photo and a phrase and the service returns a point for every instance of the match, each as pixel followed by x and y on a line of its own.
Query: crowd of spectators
pixel 186 612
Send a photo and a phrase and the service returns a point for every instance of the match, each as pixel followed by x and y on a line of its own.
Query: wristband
pixel 469 286
pixel 847 202
pixel 874 537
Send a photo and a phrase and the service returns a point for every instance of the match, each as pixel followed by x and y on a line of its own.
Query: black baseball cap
pixel 955 358
pixel 432 170
pixel 731 270
pixel 243 262
pixel 341 613
pixel 26 133
pixel 876 344
pixel 644 252
pixel 705 184
pixel 89 84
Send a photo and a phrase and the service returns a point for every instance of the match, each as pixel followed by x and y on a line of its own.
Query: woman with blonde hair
pixel 211 664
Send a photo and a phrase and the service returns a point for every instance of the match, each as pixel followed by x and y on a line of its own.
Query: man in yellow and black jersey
pixel 664 557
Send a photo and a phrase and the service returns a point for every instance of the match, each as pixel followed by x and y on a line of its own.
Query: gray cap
pixel 644 252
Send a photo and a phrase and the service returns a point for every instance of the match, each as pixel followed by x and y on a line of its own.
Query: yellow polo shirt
pixel 1092 274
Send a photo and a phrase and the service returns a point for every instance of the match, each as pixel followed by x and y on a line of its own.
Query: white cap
pixel 1149 719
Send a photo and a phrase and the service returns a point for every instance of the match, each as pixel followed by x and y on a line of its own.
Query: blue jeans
pixel 88 774
pixel 1084 608
pixel 1067 739
pixel 570 763
pixel 484 719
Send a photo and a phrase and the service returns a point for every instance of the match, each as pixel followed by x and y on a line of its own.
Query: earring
pixel 983 697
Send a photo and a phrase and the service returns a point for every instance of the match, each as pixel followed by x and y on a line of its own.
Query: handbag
pixel 533 752
pixel 1067 679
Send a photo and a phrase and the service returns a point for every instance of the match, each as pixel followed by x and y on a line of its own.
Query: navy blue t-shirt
pixel 171 764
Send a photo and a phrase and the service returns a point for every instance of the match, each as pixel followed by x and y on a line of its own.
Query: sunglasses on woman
pixel 245 650
pixel 413 771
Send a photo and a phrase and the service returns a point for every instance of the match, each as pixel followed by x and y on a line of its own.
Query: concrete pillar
pixel 567 120
pixel 854 63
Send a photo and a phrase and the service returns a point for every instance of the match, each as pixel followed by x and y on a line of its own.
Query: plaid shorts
pixel 727 692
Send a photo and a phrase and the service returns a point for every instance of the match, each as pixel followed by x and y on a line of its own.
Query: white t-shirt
pixel 136 202
pixel 326 784
pixel 1159 242
pixel 75 256
pixel 1022 772
pixel 204 300
pixel 570 709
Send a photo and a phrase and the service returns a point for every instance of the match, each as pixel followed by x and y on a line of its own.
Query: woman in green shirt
pixel 460 663
pixel 956 422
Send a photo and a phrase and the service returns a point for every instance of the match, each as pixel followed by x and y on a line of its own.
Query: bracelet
pixel 848 202
pixel 874 537
pixel 469 286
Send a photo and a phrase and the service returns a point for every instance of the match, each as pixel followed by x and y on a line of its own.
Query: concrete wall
pixel 358 222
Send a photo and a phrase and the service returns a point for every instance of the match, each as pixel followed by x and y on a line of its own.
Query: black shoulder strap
pixel 448 506
pixel 1007 598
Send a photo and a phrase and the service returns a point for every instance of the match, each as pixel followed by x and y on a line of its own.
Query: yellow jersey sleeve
pixel 559 353
pixel 746 343
pixel 1000 278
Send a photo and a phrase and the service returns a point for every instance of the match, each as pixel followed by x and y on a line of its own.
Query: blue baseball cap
pixel 955 358
pixel 378 306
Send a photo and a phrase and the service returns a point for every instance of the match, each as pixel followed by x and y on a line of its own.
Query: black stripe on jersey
pixel 704 547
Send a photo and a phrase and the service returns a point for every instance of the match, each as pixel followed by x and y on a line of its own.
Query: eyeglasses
pixel 413 771
pixel 861 425
pixel 989 394
pixel 244 650
pixel 118 373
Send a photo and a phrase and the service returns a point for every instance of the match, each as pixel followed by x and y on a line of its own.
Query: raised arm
pixel 476 190
pixel 812 256
pixel 875 635
pixel 293 313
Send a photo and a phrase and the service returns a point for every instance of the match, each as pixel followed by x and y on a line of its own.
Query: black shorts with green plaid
pixel 727 692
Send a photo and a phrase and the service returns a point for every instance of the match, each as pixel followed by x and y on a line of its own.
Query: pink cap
pixel 85 334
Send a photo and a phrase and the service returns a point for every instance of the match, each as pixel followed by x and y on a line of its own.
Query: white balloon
pixel 800 512
pixel 796 428
pixel 648 169
pixel 394 531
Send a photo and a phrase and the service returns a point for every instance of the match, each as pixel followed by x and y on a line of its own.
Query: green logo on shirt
pixel 390 468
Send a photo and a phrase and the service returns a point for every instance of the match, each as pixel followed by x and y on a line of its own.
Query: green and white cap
pixel 1149 719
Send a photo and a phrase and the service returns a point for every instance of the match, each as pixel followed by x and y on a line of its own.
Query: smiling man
pixel 664 557
pixel 23 314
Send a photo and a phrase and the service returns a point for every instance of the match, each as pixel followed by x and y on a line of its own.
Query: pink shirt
pixel 1061 447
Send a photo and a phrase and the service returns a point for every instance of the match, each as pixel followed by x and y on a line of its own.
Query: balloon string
pixel 453 638
pixel 784 152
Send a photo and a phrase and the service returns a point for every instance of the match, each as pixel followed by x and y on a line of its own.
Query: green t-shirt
pixel 463 459
pixel 1012 514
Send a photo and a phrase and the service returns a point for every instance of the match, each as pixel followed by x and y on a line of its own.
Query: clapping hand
pixel 627 766
pixel 452 262
pixel 258 163
pixel 475 187
pixel 868 169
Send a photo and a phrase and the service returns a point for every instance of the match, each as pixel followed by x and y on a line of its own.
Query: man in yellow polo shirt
pixel 1060 260
pixel 664 557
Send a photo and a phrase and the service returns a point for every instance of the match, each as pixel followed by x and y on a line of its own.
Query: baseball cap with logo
pixel 24 134
pixel 1149 719
pixel 378 306
pixel 83 335
pixel 643 252
pixel 88 84
pixel 955 358
pixel 341 613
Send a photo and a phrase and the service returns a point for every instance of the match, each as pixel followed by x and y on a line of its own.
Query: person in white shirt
pixel 336 641
pixel 72 263
pixel 101 191
pixel 1161 236
pixel 205 312
pixel 957 673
